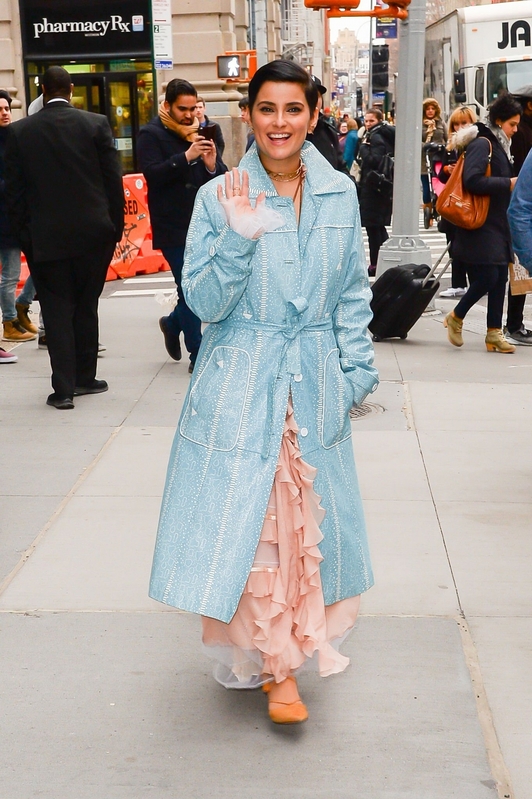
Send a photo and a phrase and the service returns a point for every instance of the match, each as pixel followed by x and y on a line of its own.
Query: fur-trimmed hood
pixel 461 138
pixel 431 101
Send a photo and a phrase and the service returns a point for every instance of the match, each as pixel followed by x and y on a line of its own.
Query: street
pixel 107 693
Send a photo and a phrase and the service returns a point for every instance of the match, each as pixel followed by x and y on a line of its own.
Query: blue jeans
pixel 425 185
pixel 10 263
pixel 27 295
pixel 182 319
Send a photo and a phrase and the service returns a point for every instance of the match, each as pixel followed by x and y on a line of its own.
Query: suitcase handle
pixel 436 265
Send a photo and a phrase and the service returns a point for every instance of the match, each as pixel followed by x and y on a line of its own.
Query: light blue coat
pixel 288 314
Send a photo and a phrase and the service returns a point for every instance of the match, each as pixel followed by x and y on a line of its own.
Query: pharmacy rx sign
pixel 88 29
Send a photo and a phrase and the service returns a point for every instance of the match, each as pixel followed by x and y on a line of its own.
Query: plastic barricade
pixel 134 253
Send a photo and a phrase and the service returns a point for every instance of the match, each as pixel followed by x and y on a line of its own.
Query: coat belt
pixel 290 354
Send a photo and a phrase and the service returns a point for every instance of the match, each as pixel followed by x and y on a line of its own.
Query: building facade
pixel 106 45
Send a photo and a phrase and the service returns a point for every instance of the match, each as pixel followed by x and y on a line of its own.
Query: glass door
pixel 121 115
pixel 126 99
pixel 88 93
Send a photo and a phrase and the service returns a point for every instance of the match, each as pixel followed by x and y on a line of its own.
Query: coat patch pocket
pixel 337 402
pixel 215 407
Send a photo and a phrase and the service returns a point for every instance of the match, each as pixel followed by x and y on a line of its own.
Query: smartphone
pixel 209 132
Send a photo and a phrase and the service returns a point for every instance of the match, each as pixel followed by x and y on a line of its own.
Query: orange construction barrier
pixel 134 253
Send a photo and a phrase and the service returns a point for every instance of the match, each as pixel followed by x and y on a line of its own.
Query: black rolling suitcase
pixel 400 295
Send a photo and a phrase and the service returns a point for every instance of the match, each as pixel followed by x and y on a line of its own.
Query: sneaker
pixel 522 337
pixel 451 293
pixel 7 357
pixel 372 270
pixel 41 344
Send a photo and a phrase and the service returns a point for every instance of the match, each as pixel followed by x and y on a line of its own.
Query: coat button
pixel 298 378
pixel 304 432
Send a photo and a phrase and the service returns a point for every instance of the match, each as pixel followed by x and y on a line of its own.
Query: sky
pixel 359 24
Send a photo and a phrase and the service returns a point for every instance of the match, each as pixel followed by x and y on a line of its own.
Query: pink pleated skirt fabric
pixel 281 623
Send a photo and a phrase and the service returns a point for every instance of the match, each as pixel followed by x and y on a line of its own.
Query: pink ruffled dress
pixel 282 623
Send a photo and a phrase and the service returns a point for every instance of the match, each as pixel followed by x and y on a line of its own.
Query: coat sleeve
pixel 351 146
pixel 112 176
pixel 217 261
pixel 157 168
pixel 220 143
pixel 15 193
pixel 350 322
pixel 476 163
pixel 373 152
pixel 520 214
pixel 160 170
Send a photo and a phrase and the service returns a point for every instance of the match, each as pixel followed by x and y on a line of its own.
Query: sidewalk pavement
pixel 104 692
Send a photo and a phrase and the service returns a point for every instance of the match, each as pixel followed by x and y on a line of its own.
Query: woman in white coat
pixel 275 265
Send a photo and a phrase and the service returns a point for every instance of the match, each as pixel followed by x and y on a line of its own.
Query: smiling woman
pixel 269 548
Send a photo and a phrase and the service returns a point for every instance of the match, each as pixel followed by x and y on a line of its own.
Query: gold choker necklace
pixel 286 177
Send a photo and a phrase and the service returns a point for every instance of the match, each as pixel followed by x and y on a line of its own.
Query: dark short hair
pixel 56 81
pixel 6 96
pixel 503 108
pixel 244 102
pixel 376 113
pixel 283 72
pixel 200 99
pixel 176 88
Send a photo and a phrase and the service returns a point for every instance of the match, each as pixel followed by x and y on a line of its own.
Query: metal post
pixel 405 245
pixel 261 32
pixel 370 70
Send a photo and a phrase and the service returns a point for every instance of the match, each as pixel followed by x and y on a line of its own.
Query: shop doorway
pixel 125 98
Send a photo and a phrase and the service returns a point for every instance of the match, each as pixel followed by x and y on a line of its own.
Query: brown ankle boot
pixel 24 318
pixel 13 331
pixel 454 329
pixel 496 342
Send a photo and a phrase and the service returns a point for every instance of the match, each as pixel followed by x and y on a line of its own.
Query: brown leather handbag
pixel 458 205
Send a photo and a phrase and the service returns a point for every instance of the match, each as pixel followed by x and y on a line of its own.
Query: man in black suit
pixel 65 198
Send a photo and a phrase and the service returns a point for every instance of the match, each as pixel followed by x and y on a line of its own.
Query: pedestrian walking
pixel 66 203
pixel 204 122
pixel 243 105
pixel 461 133
pixel 487 251
pixel 323 134
pixel 433 132
pixel 176 160
pixel 515 329
pixel 520 215
pixel 375 203
pixel 269 548
pixel 16 324
pixel 351 143
pixel 343 130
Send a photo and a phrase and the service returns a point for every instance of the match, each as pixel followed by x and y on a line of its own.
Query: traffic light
pixel 229 66
pixel 379 66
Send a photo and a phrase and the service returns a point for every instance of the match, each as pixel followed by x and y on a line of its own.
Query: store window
pixel 105 45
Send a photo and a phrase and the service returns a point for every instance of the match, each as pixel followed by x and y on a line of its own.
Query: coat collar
pixel 320 178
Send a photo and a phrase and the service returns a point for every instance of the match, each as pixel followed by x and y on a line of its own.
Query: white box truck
pixel 475 52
